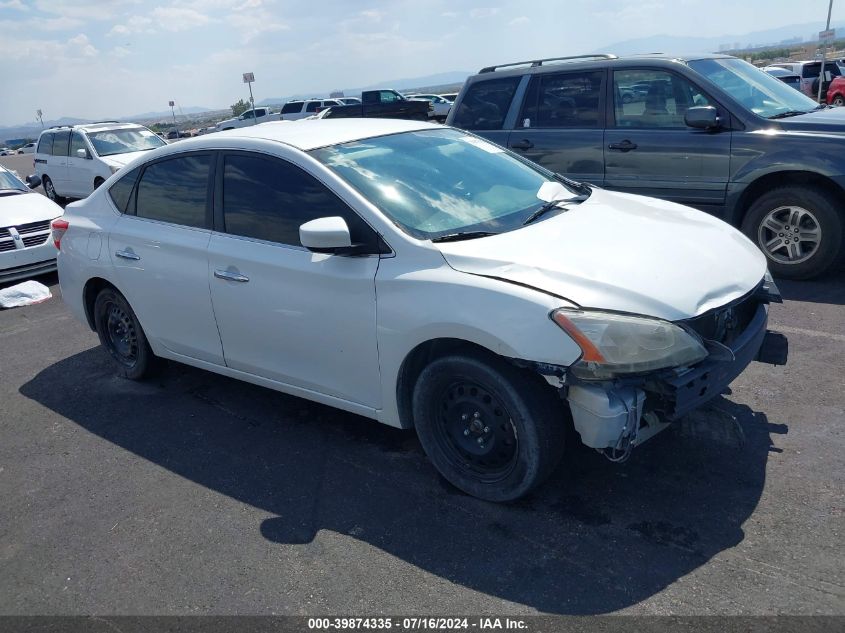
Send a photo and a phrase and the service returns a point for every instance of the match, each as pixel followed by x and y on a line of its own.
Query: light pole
pixel 827 36
pixel 173 112
pixel 40 116
pixel 248 79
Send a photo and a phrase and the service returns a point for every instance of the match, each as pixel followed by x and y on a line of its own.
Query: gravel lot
pixel 195 493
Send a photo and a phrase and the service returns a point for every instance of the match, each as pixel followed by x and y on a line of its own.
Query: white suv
pixel 74 160
pixel 301 109
pixel 424 277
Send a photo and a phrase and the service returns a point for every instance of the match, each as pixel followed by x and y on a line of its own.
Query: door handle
pixel 624 146
pixel 230 276
pixel 127 255
pixel 523 144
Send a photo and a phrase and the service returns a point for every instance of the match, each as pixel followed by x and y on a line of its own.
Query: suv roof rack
pixel 539 62
pixel 98 122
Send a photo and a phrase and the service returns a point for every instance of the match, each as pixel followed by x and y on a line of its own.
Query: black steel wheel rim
pixel 475 431
pixel 121 336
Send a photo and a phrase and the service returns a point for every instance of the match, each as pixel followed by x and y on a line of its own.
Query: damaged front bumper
pixel 616 416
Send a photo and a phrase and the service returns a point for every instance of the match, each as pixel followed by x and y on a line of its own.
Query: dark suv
pixel 712 132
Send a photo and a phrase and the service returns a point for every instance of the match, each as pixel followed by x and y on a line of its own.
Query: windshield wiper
pixel 788 113
pixel 578 187
pixel 462 235
pixel 553 204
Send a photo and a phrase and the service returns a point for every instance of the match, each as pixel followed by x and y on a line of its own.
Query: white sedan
pixel 440 106
pixel 423 277
pixel 26 249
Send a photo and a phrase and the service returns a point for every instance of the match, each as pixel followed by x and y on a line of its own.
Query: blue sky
pixel 98 58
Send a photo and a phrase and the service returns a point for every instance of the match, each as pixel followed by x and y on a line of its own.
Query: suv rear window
pixel 563 100
pixel 810 71
pixel 292 108
pixel 45 144
pixel 486 104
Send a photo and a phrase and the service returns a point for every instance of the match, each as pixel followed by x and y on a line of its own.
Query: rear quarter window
pixel 45 144
pixel 485 105
pixel 292 108
pixel 121 191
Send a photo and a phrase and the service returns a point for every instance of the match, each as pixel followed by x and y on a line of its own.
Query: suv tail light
pixel 59 227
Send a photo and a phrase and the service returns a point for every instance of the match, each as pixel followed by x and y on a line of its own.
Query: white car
pixel 72 161
pixel 26 249
pixel 423 277
pixel 29 148
pixel 440 106
pixel 301 109
pixel 250 117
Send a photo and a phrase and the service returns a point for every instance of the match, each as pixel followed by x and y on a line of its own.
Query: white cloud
pixel 118 29
pixel 14 4
pixel 373 14
pixel 254 23
pixel 520 21
pixel 449 14
pixel 179 18
pixel 120 52
pixel 83 45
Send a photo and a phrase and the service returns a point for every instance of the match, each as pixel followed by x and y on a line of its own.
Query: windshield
pixel 761 93
pixel 9 181
pixel 109 142
pixel 441 182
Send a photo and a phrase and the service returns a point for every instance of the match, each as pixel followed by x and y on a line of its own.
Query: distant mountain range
pixel 409 83
pixel 786 35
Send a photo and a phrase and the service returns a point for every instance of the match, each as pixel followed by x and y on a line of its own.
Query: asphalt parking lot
pixel 198 494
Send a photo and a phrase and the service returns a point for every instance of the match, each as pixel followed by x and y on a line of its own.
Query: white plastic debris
pixel 24 294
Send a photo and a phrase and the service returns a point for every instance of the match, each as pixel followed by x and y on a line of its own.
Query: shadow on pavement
pixel 596 538
pixel 830 289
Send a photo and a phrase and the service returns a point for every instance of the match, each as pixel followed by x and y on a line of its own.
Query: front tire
pixel 122 335
pixel 490 429
pixel 799 229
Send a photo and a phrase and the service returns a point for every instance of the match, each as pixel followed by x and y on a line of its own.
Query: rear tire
pixel 490 429
pixel 811 216
pixel 122 335
pixel 50 190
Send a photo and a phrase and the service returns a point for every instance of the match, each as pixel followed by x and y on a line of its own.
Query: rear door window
pixel 45 144
pixel 61 140
pixel 312 106
pixel 293 107
pixel 566 100
pixel 175 190
pixel 486 103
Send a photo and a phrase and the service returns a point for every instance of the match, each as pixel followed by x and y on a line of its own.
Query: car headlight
pixel 617 344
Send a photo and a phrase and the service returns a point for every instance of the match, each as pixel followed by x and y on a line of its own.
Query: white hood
pixel 24 208
pixel 622 252
pixel 120 160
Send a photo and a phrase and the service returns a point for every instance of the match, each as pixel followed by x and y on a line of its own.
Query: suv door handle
pixel 127 255
pixel 523 144
pixel 624 146
pixel 230 276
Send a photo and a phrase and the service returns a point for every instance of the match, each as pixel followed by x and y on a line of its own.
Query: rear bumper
pixel 680 394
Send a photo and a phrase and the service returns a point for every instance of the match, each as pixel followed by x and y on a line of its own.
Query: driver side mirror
pixel 325 235
pixel 703 118
pixel 33 181
pixel 82 153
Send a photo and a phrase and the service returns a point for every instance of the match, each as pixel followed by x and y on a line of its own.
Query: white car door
pixel 283 312
pixel 159 252
pixel 80 171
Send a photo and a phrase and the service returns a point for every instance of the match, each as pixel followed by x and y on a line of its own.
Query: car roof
pixel 599 60
pixel 308 135
pixel 94 127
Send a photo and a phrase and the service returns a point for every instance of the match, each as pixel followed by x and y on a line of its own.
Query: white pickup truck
pixel 250 117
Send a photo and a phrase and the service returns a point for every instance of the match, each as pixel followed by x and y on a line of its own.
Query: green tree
pixel 240 107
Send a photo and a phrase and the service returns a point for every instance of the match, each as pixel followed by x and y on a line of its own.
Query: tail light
pixel 59 227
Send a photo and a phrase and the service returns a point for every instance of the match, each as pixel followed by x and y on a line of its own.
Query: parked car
pixel 250 117
pixel 28 148
pixel 347 100
pixel 386 104
pixel 440 106
pixel 786 76
pixel 300 109
pixel 450 96
pixel 809 72
pixel 6 151
pixel 416 275
pixel 26 249
pixel 73 160
pixel 836 92
pixel 695 139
